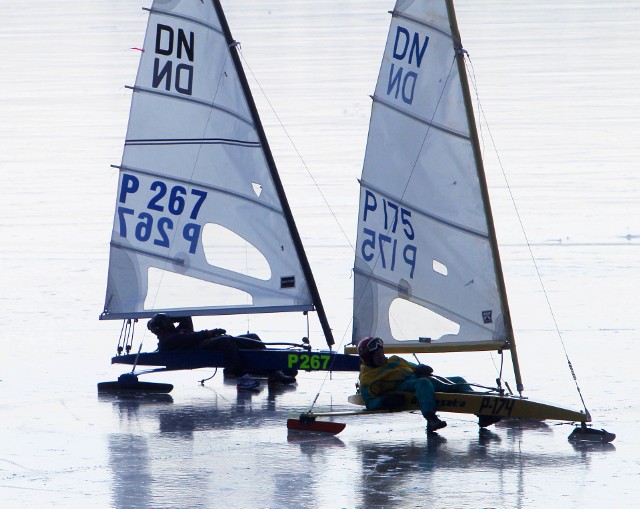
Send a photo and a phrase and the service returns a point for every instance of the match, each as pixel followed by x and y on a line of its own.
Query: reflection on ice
pixel 225 442
pixel 130 467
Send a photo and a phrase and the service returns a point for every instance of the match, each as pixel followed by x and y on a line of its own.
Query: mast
pixel 304 262
pixel 477 155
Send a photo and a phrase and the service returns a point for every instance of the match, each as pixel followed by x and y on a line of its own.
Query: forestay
pixel 426 266
pixel 196 174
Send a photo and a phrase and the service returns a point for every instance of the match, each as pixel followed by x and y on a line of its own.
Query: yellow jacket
pixel 374 382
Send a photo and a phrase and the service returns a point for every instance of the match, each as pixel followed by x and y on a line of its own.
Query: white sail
pixel 423 234
pixel 195 160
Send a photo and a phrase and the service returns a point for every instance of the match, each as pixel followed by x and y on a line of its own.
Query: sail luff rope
pixel 471 73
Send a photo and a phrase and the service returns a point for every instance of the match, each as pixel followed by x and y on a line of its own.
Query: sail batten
pixel 193 141
pixel 430 123
pixel 425 213
pixel 251 199
pixel 143 90
pixel 142 252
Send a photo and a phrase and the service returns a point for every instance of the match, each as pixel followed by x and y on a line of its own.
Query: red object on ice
pixel 314 426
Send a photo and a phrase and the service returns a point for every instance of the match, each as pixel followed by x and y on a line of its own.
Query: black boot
pixel 434 423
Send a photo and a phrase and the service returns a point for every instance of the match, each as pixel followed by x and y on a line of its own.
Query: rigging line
pixel 535 263
pixel 133 330
pixel 472 77
pixel 246 298
pixel 121 344
pixel 304 164
pixel 327 374
pixel 424 140
pixel 309 172
pixel 201 382
pixel 129 333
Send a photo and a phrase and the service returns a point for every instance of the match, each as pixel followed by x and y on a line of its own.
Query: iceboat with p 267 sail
pixel 427 257
pixel 196 170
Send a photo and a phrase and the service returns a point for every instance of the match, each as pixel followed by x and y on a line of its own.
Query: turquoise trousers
pixel 424 389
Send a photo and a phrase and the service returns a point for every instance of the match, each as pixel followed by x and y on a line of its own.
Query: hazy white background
pixel 558 84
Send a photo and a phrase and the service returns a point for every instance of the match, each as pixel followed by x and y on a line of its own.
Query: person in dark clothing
pixel 181 336
pixel 172 337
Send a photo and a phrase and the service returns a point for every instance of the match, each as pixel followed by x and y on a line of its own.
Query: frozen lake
pixel 557 84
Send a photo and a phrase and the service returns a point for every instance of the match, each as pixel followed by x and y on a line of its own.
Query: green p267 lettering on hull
pixel 308 361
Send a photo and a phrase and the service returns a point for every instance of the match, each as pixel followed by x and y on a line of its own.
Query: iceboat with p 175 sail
pixel 427 257
pixel 197 170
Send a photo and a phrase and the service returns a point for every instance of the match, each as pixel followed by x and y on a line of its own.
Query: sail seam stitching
pixel 176 261
pixel 192 100
pixel 193 141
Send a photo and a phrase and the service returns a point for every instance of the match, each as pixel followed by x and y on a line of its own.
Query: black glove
pixel 423 371
pixel 216 332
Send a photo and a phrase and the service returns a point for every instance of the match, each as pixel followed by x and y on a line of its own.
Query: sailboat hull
pixel 258 360
pixel 494 406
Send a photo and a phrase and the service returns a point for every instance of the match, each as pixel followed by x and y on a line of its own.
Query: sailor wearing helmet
pixel 384 380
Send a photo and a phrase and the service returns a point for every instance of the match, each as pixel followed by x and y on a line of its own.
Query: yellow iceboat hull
pixel 493 405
